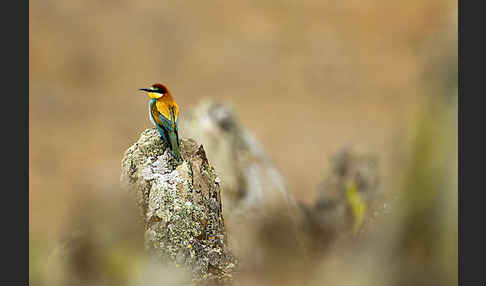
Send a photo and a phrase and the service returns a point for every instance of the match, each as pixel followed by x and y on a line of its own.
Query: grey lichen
pixel 181 206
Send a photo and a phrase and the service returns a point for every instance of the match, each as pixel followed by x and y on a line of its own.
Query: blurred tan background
pixel 306 77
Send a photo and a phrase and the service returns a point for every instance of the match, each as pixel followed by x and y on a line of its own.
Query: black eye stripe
pixel 160 90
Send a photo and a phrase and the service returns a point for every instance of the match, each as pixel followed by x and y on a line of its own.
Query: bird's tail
pixel 172 140
pixel 174 144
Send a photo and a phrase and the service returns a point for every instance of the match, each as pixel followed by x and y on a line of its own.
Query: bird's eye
pixel 159 89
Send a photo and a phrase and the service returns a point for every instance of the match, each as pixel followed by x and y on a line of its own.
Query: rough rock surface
pixel 181 206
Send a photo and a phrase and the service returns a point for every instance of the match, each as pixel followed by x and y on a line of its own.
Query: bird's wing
pixel 166 123
pixel 155 113
pixel 174 112
pixel 160 119
pixel 170 129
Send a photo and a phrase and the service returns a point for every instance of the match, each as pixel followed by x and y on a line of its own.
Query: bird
pixel 163 112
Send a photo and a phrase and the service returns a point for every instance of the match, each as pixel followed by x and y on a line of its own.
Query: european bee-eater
pixel 163 112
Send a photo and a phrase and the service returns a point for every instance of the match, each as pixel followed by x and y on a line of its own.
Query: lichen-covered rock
pixel 180 204
pixel 251 184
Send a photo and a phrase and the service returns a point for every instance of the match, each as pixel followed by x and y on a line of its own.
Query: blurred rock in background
pixel 253 190
pixel 350 188
pixel 347 198
pixel 251 183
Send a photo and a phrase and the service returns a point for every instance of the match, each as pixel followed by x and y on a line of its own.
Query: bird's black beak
pixel 145 89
